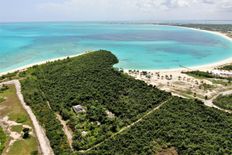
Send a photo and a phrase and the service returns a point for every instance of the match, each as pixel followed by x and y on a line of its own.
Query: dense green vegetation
pixel 224 102
pixel 112 100
pixel 202 74
pixel 226 67
pixel 8 76
pixel 36 99
pixel 3 139
pixel 90 81
pixel 3 88
pixel 225 28
pixel 187 125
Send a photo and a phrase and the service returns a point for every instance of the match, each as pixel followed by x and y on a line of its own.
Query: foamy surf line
pixel 41 62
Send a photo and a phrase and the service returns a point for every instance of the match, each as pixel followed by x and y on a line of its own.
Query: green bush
pixel 224 102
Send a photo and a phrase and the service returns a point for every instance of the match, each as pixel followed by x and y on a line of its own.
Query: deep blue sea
pixel 138 46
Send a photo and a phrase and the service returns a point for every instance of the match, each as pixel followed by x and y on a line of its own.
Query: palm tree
pixel 195 94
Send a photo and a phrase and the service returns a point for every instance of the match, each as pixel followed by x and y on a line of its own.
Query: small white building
pixel 78 109
pixel 222 73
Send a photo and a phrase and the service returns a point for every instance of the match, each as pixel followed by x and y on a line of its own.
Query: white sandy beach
pixel 42 62
pixel 200 67
pixel 174 70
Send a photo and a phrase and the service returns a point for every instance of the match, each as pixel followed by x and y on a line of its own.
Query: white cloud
pixel 226 5
pixel 136 9
pixel 208 1
pixel 88 8
pixel 71 5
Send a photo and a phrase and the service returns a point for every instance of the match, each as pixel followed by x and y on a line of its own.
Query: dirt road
pixel 209 103
pixel 41 136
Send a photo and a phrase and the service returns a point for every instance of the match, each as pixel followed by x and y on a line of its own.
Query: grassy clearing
pixel 222 82
pixel 1 99
pixel 206 86
pixel 17 128
pixel 206 75
pixel 24 147
pixel 12 108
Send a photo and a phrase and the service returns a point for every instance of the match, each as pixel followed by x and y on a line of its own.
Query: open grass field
pixel 24 147
pixel 14 118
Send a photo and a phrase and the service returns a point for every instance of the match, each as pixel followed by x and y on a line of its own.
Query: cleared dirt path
pixel 40 133
pixel 209 103
pixel 66 130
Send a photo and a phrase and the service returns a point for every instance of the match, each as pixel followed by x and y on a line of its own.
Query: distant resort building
pixel 78 108
pixel 222 73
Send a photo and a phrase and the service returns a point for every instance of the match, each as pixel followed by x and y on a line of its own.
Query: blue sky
pixel 114 10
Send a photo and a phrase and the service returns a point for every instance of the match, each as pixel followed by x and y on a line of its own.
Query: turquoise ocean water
pixel 138 46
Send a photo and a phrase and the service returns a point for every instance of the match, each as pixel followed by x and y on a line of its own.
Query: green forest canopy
pixel 224 102
pixel 91 81
pixel 187 125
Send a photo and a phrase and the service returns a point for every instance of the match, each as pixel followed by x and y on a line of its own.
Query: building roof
pixel 219 72
pixel 78 108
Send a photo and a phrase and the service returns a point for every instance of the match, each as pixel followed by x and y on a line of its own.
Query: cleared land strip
pixel 66 130
pixel 42 138
pixel 129 126
pixel 209 103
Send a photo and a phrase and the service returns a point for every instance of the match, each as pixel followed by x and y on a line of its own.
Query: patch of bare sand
pixel 168 151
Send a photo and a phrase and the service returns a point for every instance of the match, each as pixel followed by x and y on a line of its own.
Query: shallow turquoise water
pixel 138 46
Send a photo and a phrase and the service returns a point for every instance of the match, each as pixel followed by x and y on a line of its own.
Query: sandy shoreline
pixel 42 62
pixel 200 67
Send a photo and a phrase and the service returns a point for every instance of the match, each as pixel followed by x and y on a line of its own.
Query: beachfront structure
pixel 222 73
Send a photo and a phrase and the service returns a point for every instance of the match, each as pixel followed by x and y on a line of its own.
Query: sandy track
pixel 209 103
pixel 41 136
pixel 66 130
